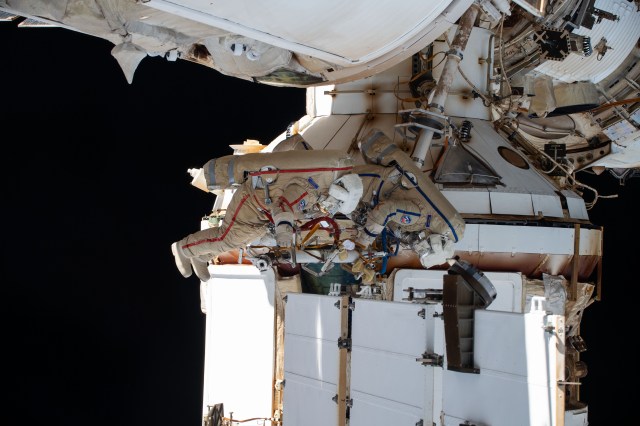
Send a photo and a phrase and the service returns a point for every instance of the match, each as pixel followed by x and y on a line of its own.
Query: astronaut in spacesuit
pixel 275 190
pixel 396 194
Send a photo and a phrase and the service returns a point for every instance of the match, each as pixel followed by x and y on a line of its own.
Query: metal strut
pixel 449 70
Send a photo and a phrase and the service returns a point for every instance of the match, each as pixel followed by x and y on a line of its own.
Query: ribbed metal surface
pixel 331 26
pixel 621 36
pixel 30 22
pixel 6 16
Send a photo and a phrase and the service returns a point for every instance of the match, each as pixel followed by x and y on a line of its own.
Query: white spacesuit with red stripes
pixel 249 214
pixel 279 188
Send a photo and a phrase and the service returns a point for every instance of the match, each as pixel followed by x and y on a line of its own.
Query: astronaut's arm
pixel 434 250
pixel 282 212
pixel 385 212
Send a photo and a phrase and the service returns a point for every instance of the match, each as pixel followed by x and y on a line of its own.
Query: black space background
pixel 98 327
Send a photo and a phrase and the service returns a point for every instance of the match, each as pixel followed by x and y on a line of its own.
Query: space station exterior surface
pixel 451 290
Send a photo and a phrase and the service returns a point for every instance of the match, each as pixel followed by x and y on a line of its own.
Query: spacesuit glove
pixel 358 266
pixel 284 235
pixel 368 234
pixel 366 274
pixel 435 250
pixel 363 241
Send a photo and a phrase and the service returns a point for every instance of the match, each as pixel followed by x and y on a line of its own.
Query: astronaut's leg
pixel 402 211
pixel 242 225
pixel 182 261
pixel 201 268
pixel 187 264
pixel 368 233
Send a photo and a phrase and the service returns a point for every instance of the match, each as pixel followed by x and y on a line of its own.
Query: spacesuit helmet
pixel 344 194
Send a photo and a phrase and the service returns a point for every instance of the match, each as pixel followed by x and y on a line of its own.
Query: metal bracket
pixel 422 313
pixel 577 343
pixel 344 343
pixel 348 400
pixel 423 295
pixel 432 359
pixel 215 415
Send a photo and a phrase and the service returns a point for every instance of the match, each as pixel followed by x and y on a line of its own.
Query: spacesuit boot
pixel 187 265
pixel 182 261
pixel 201 268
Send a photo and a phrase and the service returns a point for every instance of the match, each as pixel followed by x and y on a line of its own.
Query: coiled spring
pixel 465 131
